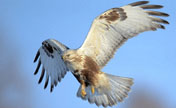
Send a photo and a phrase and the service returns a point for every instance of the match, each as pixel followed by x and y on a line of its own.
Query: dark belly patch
pixel 87 76
pixel 88 73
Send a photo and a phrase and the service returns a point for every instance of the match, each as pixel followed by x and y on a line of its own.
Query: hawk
pixel 107 33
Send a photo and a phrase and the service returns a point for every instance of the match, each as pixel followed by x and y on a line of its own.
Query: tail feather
pixel 110 95
pixel 120 86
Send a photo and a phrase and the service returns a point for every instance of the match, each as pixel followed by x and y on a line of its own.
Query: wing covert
pixel 115 26
pixel 53 67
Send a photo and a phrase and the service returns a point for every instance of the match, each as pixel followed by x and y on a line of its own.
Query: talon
pixel 83 93
pixel 92 89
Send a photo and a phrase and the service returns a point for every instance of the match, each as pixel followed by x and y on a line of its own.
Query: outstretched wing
pixel 49 55
pixel 112 28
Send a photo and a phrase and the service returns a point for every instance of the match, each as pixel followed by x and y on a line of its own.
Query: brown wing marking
pixel 113 15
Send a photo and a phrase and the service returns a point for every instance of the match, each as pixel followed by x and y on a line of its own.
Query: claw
pixel 83 93
pixel 92 89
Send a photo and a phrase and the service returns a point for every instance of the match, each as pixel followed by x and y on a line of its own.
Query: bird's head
pixel 69 55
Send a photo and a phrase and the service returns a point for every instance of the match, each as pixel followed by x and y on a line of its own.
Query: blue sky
pixel 149 58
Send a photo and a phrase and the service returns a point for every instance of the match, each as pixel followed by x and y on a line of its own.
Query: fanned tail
pixel 111 90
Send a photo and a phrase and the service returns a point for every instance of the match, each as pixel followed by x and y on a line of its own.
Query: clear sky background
pixel 149 58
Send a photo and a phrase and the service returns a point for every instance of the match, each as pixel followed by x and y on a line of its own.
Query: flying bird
pixel 107 33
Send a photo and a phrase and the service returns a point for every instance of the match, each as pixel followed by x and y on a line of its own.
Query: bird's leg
pixel 83 86
pixel 92 89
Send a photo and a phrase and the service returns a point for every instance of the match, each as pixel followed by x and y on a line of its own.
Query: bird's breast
pixel 87 70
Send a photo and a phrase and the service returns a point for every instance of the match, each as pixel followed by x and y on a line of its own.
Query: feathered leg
pixel 83 86
pixel 108 91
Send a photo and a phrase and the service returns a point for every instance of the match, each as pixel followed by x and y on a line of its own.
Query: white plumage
pixel 55 68
pixel 108 32
pixel 104 38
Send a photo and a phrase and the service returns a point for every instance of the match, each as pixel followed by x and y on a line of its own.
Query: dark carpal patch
pixel 113 15
pixel 48 49
pixel 122 13
pixel 110 16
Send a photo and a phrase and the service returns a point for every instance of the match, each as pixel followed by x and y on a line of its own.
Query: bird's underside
pixel 108 32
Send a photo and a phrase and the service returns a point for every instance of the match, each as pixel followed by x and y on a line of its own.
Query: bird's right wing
pixel 115 26
pixel 49 55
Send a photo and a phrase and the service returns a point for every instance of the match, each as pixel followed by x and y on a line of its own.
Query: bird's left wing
pixel 112 28
pixel 49 55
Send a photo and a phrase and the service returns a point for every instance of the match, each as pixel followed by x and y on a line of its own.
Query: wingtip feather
pixel 151 6
pixel 157 13
pixel 51 89
pixel 138 3
pixel 41 76
pixel 162 27
pixel 46 82
pixel 38 66
pixel 37 56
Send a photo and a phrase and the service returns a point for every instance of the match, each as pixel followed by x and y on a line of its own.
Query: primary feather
pixel 108 32
pixel 49 56
pixel 115 26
